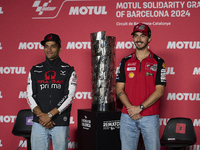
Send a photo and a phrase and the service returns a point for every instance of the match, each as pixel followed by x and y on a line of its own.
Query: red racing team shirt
pixel 140 79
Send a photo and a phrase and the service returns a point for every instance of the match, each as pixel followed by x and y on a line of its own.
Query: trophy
pixel 103 71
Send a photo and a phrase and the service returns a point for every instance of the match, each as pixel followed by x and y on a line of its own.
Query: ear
pixel 60 49
pixel 149 40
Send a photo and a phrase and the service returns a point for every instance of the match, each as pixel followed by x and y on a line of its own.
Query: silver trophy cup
pixel 103 71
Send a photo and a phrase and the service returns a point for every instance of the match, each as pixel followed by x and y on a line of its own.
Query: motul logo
pixel 163 121
pixel 184 96
pixel 1 95
pixel 196 71
pixel 1 11
pixel 30 45
pixel 78 45
pixel 83 95
pixel 170 70
pixel 12 70
pixel 88 10
pixel 87 45
pixel 183 45
pixel 127 45
pixel 7 119
pixel 0 46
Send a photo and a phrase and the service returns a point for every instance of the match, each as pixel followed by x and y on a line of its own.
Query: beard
pixel 143 47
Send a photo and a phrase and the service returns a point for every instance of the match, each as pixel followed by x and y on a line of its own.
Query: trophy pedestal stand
pixel 98 130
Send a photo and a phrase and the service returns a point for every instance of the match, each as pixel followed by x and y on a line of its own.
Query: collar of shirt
pixel 149 56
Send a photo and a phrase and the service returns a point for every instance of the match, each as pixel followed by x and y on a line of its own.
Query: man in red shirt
pixel 141 80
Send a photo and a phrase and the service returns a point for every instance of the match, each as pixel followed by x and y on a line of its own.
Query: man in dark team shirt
pixel 141 80
pixel 50 93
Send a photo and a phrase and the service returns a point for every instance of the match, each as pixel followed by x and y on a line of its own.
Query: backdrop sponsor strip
pixel 175 34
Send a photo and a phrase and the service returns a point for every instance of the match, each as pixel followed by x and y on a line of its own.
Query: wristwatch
pixel 142 107
pixel 50 115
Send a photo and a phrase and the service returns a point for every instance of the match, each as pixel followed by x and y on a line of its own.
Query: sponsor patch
pixel 29 120
pixel 163 65
pixel 180 128
pixel 64 118
pixel 150 66
pixel 149 74
pixel 163 75
pixel 171 139
pixel 131 68
pixel 74 78
pixel 163 70
pixel 62 72
pixel 131 75
pixel 132 64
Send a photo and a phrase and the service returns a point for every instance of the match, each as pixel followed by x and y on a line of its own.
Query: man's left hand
pixel 44 119
pixel 136 117
pixel 133 110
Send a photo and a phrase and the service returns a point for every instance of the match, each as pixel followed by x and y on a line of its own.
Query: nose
pixel 49 48
pixel 138 38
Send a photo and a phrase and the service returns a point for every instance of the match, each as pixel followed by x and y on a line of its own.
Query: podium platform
pixel 98 130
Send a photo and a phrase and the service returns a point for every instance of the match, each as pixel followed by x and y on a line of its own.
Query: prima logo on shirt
pixel 50 81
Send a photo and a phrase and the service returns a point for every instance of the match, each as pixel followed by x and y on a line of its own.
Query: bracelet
pixel 121 93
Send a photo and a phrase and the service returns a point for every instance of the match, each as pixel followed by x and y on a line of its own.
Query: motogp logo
pixel 42 8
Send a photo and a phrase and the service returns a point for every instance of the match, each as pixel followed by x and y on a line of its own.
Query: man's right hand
pixel 50 125
pixel 136 117
pixel 44 119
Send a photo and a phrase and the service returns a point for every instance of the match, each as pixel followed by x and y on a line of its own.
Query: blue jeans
pixel 40 137
pixel 130 131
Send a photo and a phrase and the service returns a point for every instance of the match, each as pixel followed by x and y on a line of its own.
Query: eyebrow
pixel 140 34
pixel 51 45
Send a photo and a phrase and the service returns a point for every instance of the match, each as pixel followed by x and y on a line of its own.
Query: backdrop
pixel 175 38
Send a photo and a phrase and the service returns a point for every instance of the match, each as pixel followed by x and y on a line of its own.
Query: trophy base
pixel 103 107
pixel 98 130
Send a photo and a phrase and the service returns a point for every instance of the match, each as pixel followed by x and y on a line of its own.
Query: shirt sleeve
pixel 68 99
pixel 31 87
pixel 120 77
pixel 161 73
